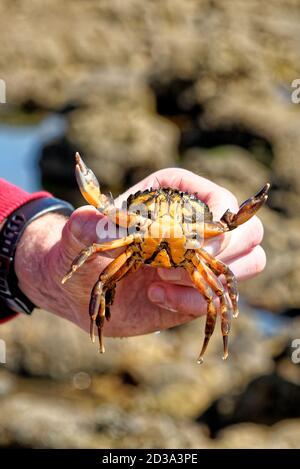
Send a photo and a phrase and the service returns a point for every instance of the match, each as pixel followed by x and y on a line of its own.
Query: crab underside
pixel 165 228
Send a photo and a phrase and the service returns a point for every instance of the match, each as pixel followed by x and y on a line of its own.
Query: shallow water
pixel 20 149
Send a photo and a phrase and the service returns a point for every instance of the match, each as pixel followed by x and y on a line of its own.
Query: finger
pixel 216 197
pixel 177 276
pixel 216 245
pixel 186 299
pixel 81 230
pixel 250 265
pixel 245 266
pixel 241 241
pixel 177 298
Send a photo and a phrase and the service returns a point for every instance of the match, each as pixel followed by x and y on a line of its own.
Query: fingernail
pixel 83 225
pixel 76 226
pixel 215 246
pixel 170 274
pixel 157 294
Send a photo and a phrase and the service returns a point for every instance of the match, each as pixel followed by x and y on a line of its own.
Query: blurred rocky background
pixel 136 86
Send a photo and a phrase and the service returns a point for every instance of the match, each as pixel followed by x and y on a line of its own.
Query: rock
pixel 277 287
pixel 123 144
pixel 230 166
pixel 244 435
pixel 141 430
pixel 203 85
pixel 7 383
pixel 230 86
pixel 151 373
pixel 280 436
pixel 33 422
pixel 284 435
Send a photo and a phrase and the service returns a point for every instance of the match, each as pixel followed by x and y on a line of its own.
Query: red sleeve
pixel 11 198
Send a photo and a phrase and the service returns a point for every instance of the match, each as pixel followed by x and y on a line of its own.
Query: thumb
pixel 80 230
pixel 177 298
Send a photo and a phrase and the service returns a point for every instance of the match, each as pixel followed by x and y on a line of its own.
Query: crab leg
pixel 84 255
pixel 107 297
pixel 220 268
pixel 229 221
pixel 130 266
pixel 218 289
pixel 114 271
pixel 211 317
pixel 103 300
pixel 97 302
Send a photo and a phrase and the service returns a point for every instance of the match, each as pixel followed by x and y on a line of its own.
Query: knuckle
pixel 257 231
pixel 260 259
pixel 232 200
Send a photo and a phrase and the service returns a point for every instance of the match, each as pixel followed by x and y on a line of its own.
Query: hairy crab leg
pixel 97 302
pixel 99 305
pixel 211 317
pixel 130 266
pixel 84 255
pixel 220 268
pixel 218 289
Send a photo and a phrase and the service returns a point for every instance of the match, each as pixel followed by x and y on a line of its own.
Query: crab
pixel 164 228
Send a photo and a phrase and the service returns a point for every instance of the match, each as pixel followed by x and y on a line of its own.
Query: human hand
pixel 148 300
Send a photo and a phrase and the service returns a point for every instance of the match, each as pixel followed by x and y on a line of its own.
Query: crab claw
pixel 87 182
pixel 247 209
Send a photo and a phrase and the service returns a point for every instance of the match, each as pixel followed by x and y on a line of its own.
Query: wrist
pixel 32 259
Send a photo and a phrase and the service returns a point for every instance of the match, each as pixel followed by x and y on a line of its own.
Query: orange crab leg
pixel 110 275
pixel 220 268
pixel 84 255
pixel 212 229
pixel 218 289
pixel 211 317
pixel 130 266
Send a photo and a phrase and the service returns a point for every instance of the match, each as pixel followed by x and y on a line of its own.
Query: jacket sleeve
pixel 11 198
